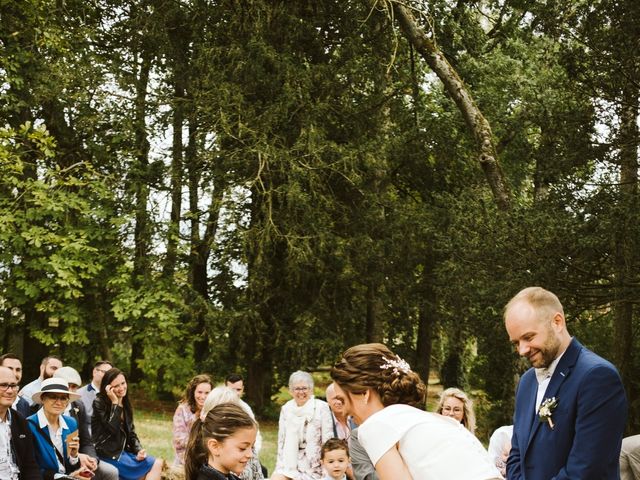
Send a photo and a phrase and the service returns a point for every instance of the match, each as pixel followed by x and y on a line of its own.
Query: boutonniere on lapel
pixel 546 411
pixel 77 410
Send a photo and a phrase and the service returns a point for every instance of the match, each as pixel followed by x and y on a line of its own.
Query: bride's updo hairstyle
pixel 373 365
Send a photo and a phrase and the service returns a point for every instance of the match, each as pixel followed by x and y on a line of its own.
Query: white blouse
pixel 432 446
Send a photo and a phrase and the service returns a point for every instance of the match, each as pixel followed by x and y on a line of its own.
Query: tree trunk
pixel 142 232
pixel 173 231
pixel 475 120
pixel 627 242
pixel 178 31
pixel 263 259
pixel 426 320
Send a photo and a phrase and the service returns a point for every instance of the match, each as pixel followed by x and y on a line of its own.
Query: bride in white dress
pixel 381 392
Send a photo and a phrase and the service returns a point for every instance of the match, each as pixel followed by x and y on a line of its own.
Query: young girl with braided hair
pixel 386 399
pixel 220 443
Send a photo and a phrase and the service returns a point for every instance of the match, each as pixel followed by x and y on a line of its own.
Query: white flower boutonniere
pixel 546 411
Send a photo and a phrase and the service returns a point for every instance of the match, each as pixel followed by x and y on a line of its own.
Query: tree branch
pixel 475 120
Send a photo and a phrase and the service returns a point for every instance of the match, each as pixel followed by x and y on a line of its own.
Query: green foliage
pixel 324 189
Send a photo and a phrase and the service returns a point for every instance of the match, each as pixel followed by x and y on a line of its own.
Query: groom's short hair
pixel 545 303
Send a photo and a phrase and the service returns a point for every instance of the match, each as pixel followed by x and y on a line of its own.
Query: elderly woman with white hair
pixel 305 424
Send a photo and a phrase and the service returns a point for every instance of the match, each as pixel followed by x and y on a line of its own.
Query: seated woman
pixel 188 409
pixel 305 424
pixel 456 404
pixel 386 399
pixel 114 433
pixel 55 436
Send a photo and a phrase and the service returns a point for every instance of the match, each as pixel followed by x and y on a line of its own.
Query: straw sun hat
pixel 54 385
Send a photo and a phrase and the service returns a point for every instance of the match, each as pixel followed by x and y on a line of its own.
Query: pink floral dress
pixel 182 421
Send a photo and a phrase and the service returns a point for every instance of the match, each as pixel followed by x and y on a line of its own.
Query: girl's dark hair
pixel 189 393
pixel 373 365
pixel 109 376
pixel 220 423
pixel 334 444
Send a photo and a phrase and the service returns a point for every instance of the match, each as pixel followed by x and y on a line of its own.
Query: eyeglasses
pixel 56 398
pixel 6 386
pixel 301 389
pixel 449 410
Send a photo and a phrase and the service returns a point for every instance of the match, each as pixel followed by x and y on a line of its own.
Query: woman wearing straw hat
pixel 55 436
pixel 76 410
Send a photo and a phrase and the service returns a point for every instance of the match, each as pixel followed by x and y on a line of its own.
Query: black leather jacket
pixel 112 430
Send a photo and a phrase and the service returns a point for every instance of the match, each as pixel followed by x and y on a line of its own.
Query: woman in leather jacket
pixel 114 434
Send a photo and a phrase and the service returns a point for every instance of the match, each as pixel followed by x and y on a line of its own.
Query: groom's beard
pixel 547 353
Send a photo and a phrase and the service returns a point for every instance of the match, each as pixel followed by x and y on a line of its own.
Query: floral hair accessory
pixel 398 365
pixel 546 411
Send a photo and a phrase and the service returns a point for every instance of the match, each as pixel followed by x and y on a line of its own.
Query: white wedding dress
pixel 432 446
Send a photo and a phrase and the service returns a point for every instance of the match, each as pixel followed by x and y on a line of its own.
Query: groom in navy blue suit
pixel 571 407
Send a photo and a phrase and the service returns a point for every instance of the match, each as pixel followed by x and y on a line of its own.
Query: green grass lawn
pixel 154 430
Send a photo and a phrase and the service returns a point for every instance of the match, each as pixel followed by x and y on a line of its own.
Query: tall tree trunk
pixel 263 285
pixel 142 232
pixel 179 32
pixel 426 320
pixel 627 241
pixel 173 232
pixel 201 245
pixel 200 264
pixel 459 92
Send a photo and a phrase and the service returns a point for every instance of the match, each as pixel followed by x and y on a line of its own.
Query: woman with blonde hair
pixel 456 404
pixel 386 398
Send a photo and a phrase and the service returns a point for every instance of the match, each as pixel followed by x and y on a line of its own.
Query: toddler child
pixel 334 457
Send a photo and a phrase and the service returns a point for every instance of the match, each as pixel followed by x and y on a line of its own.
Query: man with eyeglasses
pixel 17 461
pixel 88 392
pixel 14 363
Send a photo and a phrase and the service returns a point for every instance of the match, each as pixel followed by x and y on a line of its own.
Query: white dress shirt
pixel 8 468
pixel 543 375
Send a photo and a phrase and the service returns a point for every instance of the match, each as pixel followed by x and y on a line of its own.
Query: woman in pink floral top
pixel 197 390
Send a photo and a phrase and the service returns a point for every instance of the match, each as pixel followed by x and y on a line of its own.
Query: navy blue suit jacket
pixel 589 421
pixel 23 408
